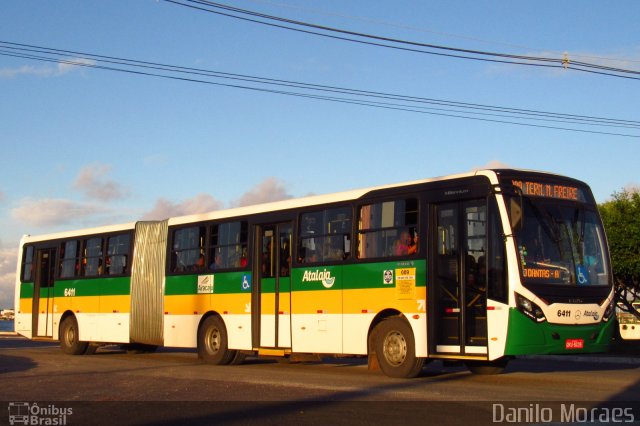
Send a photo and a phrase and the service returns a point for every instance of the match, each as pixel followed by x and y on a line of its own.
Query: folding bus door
pixel 459 300
pixel 43 297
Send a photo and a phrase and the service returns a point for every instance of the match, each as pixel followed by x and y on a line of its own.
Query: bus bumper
pixel 526 337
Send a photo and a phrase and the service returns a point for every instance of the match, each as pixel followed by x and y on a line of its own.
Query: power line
pixel 405 45
pixel 437 33
pixel 389 101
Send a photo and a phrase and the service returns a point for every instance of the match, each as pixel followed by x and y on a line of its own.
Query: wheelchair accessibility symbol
pixel 246 282
pixel 582 275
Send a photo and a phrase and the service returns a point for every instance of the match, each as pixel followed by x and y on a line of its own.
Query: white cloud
pixel 164 208
pixel 8 259
pixel 71 64
pixel 93 182
pixel 271 189
pixel 26 70
pixel 76 64
pixel 52 211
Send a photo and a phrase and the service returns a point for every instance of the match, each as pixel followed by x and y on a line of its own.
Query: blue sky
pixel 86 147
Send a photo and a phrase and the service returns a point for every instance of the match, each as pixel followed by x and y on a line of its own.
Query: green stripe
pixel 347 277
pixel 358 276
pixel 26 291
pixel 118 286
pixel 223 283
pixel 268 285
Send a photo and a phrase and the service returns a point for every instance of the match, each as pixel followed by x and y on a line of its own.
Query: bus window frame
pixel 24 263
pixel 298 237
pixel 421 204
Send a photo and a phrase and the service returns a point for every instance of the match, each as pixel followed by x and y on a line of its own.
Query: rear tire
pixel 70 337
pixel 488 367
pixel 396 350
pixel 213 342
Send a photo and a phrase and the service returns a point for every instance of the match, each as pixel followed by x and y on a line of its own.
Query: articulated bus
pixel 477 267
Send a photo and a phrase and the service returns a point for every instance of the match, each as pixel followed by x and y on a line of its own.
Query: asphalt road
pixel 171 386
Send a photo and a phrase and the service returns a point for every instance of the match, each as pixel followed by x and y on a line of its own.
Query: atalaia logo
pixel 323 276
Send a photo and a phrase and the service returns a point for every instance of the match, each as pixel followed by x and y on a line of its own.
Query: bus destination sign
pixel 547 190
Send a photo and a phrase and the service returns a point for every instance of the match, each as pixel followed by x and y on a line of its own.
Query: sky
pixel 85 146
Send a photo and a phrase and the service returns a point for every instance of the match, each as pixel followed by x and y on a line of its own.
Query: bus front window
pixel 561 244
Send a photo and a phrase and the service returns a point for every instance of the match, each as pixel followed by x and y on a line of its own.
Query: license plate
pixel 574 344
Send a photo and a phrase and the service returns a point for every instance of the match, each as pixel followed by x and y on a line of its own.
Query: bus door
pixel 42 324
pixel 459 300
pixel 272 318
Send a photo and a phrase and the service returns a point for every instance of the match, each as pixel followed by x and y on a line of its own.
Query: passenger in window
pixel 217 262
pixel 243 258
pixel 199 265
pixel 285 259
pixel 413 243
pixel 313 256
pixel 405 244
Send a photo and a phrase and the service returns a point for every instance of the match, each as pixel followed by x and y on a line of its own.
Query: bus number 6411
pixel 564 313
pixel 69 292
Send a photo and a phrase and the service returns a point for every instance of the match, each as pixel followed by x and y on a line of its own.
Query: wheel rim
pixel 395 348
pixel 70 336
pixel 213 340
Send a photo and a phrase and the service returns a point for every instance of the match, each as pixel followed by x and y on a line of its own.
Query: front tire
pixel 213 342
pixel 396 350
pixel 70 337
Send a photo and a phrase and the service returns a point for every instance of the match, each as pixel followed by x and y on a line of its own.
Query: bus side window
pixel 92 257
pixel 117 259
pixel 27 265
pixel 69 263
pixel 188 249
pixel 388 229
pixel 496 263
pixel 325 235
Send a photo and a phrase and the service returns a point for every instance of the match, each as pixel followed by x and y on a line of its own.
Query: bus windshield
pixel 560 243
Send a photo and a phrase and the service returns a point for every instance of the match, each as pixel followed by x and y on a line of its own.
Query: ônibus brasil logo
pixel 323 276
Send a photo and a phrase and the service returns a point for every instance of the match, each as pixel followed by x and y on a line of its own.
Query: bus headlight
pixel 529 308
pixel 608 311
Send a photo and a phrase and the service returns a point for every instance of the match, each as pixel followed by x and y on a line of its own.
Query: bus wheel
pixel 395 349
pixel 487 367
pixel 212 342
pixel 70 337
pixel 238 358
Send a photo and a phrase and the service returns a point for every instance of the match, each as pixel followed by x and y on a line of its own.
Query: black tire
pixel 238 358
pixel 91 349
pixel 70 337
pixel 487 367
pixel 213 342
pixel 396 349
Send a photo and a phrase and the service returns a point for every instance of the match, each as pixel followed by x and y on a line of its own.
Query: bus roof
pixel 271 206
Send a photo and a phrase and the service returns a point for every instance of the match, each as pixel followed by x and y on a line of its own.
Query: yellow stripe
pixel 201 303
pixel 115 304
pixel 26 305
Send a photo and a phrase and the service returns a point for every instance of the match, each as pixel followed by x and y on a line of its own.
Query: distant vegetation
pixel 621 218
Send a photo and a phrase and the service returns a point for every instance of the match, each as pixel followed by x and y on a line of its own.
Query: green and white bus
pixel 478 267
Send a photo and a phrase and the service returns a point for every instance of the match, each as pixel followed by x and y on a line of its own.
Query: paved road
pixel 113 387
